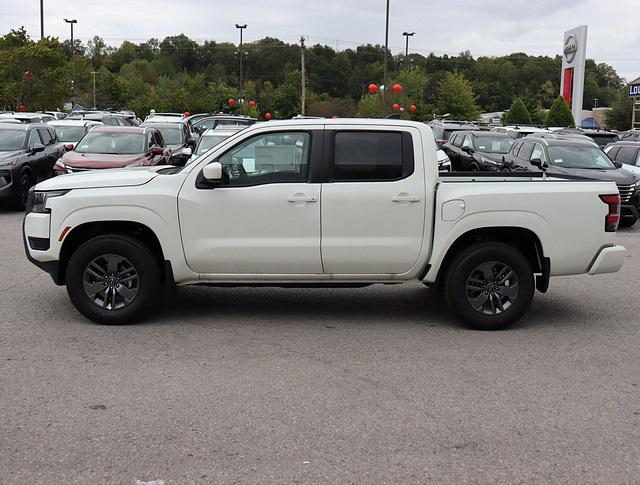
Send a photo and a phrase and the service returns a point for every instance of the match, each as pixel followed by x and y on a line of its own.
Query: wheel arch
pixel 522 239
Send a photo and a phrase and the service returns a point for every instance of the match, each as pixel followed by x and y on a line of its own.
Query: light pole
pixel 241 27
pixel 386 50
pixel 73 50
pixel 41 19
pixel 407 35
pixel 93 73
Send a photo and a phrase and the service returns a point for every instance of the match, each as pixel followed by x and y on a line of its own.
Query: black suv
pixel 565 156
pixel 27 155
pixel 477 150
pixel 601 137
pixel 631 135
pixel 442 130
pixel 627 152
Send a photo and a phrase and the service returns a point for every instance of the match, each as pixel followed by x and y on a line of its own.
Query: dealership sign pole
pixel 634 93
pixel 574 54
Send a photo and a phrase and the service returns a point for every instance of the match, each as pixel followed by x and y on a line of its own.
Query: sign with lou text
pixel 634 90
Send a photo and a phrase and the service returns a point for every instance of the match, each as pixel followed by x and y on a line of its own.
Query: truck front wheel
pixel 489 286
pixel 113 279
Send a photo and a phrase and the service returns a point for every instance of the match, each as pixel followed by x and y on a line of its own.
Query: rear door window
pixel 627 155
pixel 372 156
pixel 612 152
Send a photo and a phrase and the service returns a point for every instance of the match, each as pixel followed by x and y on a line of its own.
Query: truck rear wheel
pixel 113 279
pixel 489 286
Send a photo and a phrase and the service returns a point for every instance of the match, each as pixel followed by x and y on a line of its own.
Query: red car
pixel 115 147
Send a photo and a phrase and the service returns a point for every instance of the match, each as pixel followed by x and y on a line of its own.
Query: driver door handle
pixel 405 198
pixel 301 198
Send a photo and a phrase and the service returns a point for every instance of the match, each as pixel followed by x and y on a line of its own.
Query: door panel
pixel 374 227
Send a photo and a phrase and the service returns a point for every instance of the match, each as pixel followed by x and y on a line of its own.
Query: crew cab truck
pixel 319 203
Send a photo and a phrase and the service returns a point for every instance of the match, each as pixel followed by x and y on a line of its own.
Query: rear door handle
pixel 301 198
pixel 405 198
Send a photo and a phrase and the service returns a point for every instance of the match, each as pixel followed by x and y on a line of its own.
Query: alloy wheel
pixel 492 288
pixel 111 282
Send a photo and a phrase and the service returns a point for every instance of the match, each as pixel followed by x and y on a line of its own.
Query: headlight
pixel 37 200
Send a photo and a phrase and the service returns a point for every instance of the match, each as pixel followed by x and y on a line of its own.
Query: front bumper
pixel 28 231
pixel 629 212
pixel 608 260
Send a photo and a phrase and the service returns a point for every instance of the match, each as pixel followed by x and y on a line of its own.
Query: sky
pixel 484 27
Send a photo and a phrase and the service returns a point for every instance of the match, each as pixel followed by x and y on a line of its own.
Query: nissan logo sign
pixel 570 48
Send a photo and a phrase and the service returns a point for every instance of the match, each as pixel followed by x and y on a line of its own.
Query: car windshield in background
pixel 70 134
pixel 491 144
pixel 580 157
pixel 172 136
pixel 208 142
pixel 11 140
pixel 112 143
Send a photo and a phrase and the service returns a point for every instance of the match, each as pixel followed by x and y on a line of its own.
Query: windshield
pixel 580 157
pixel 111 143
pixel 209 141
pixel 11 140
pixel 494 144
pixel 172 136
pixel 69 133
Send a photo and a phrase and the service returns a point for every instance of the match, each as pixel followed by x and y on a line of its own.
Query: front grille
pixel 626 192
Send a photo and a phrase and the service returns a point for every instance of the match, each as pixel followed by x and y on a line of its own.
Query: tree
pixel 456 98
pixel 518 114
pixel 560 114
pixel 619 117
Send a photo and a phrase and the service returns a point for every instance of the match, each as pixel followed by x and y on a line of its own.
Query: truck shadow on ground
pixel 401 305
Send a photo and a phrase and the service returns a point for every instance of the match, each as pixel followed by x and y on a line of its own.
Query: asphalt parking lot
pixel 373 385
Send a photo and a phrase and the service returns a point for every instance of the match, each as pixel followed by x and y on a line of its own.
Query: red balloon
pixel 413 107
pixel 396 107
pixel 231 102
pixel 22 108
pixel 252 104
pixel 397 88
pixel 373 88
pixel 267 116
pixel 187 114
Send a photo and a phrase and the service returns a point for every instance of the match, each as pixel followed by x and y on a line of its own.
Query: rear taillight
pixel 613 217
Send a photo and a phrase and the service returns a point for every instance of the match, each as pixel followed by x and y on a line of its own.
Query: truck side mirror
pixel 213 172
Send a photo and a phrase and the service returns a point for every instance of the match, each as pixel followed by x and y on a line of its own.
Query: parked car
pixel 70 131
pixel 212 138
pixel 601 137
pixel 104 118
pixel 477 150
pixel 578 158
pixel 115 147
pixel 627 152
pixel 631 135
pixel 58 115
pixel 217 120
pixel 276 206
pixel 24 117
pixel 444 163
pixel 519 131
pixel 442 130
pixel 27 155
pixel 177 138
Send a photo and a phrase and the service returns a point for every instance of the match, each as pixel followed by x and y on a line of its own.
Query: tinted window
pixel 366 155
pixel 612 152
pixel 268 158
pixel 46 137
pixel 34 138
pixel 525 151
pixel 627 155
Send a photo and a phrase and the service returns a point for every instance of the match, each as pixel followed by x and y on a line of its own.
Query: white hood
pixel 116 177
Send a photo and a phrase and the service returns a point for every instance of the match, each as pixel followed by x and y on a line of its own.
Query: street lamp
pixel 407 35
pixel 73 50
pixel 241 27
pixel 41 19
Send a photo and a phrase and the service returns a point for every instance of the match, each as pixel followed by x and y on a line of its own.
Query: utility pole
pixel 73 51
pixel 406 51
pixel 93 73
pixel 304 94
pixel 41 19
pixel 241 27
pixel 386 50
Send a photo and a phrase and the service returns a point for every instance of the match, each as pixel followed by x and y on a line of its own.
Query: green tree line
pixel 179 74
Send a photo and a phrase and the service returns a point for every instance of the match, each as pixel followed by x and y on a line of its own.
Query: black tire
pixel 134 262
pixel 465 286
pixel 628 222
pixel 25 182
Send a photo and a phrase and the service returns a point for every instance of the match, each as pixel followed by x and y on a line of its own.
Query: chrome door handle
pixel 405 198
pixel 301 198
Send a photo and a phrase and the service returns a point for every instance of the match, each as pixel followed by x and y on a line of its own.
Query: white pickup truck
pixel 319 203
